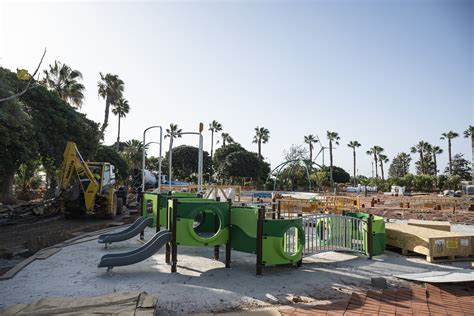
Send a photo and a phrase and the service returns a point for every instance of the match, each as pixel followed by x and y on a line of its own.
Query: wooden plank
pixel 429 242
pixel 438 225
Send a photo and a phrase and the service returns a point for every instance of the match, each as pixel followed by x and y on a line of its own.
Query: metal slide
pixel 147 250
pixel 136 228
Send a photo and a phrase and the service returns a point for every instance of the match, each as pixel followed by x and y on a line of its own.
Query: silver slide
pixel 136 228
pixel 147 250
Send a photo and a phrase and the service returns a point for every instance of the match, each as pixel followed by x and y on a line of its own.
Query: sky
pixel 387 73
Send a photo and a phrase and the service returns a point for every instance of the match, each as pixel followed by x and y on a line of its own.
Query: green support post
pixel 174 246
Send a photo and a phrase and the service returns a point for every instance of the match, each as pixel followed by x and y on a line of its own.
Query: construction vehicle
pixel 87 187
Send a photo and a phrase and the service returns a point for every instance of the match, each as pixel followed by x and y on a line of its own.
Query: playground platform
pixel 202 284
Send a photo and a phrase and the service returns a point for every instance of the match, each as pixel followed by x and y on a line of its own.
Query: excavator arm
pixel 74 164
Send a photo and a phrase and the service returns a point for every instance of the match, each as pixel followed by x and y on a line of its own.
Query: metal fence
pixel 330 232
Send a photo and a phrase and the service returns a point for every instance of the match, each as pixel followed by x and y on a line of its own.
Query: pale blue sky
pixel 381 72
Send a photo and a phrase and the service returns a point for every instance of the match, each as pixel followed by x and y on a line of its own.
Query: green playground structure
pixel 186 219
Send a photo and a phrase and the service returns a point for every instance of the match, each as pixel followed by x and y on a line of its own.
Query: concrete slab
pixel 203 285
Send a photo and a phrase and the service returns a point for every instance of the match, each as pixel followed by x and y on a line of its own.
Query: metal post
pixel 144 154
pixel 174 246
pixel 142 212
pixel 216 228
pixel 260 220
pixel 228 243
pixel 170 173
pixel 200 162
pixel 167 225
pixel 370 239
pixel 273 208
pixel 279 209
pixel 158 210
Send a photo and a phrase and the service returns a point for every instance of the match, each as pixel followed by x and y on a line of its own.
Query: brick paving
pixel 417 300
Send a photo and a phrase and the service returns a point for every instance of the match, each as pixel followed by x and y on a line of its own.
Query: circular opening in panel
pixel 206 224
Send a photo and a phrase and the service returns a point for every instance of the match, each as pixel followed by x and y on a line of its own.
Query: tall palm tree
pixel 449 136
pixel 333 137
pixel 262 135
pixel 120 109
pixel 214 127
pixel 382 159
pixel 65 82
pixel 226 139
pixel 374 151
pixel 469 132
pixel 354 144
pixel 133 152
pixel 436 150
pixel 310 140
pixel 111 89
pixel 423 148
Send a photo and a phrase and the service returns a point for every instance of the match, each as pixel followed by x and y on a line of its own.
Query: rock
pixel 379 283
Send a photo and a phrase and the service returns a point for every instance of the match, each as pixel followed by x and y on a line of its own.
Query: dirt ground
pixel 20 241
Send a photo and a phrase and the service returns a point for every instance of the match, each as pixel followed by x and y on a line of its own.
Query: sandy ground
pixel 202 284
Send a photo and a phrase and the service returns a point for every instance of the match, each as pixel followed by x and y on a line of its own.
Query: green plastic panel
pixel 244 229
pixel 274 241
pixel 378 232
pixel 187 212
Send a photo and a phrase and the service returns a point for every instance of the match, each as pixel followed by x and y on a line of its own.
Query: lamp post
pixel 144 153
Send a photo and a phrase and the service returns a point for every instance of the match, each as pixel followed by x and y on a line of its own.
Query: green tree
pixel 435 150
pixel 354 144
pixel 400 165
pixel 214 127
pixel 185 162
pixel 423 149
pixel 120 109
pixel 133 153
pixel 153 164
pixel 310 140
pixel 65 82
pixel 374 151
pixel 111 89
pixel 244 164
pixel 226 139
pixel 262 135
pixel 469 132
pixel 460 167
pixel 110 155
pixel 333 138
pixel 449 136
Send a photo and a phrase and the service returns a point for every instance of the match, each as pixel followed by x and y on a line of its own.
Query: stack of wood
pixel 431 239
pixel 24 212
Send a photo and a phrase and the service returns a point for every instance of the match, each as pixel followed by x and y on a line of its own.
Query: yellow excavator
pixel 87 187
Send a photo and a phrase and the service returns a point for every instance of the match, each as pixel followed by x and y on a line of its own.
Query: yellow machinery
pixel 91 190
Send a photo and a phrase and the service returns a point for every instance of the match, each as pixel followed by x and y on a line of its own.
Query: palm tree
pixel 333 137
pixel 436 150
pixel 111 89
pixel 375 150
pixel 133 152
pixel 262 135
pixel 214 127
pixel 120 109
pixel 226 139
pixel 469 132
pixel 382 159
pixel 354 144
pixel 65 82
pixel 310 140
pixel 449 135
pixel 422 148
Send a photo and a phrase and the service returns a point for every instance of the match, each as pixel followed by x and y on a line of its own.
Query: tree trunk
pixel 260 147
pixel 435 165
pixel 450 160
pixel 421 161
pixel 310 153
pixel 118 135
pixel 472 157
pixel 106 118
pixel 354 155
pixel 381 169
pixel 6 188
pixel 330 164
pixel 376 167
